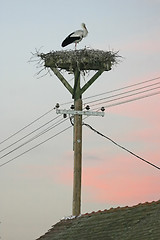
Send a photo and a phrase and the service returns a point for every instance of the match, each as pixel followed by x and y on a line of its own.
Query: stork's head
pixel 85 31
pixel 83 25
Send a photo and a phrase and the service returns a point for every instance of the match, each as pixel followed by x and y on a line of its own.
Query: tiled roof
pixel 140 222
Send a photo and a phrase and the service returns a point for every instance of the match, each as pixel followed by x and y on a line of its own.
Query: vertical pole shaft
pixel 77 160
pixel 76 210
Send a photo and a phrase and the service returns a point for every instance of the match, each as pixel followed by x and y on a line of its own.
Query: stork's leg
pixel 75 46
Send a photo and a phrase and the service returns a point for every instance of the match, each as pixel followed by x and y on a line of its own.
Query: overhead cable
pixel 133 90
pixel 37 119
pixel 130 95
pixel 12 159
pixel 33 138
pixel 119 89
pixel 93 129
pixel 130 100
pixel 29 134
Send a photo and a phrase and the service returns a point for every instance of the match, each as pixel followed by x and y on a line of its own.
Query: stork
pixel 76 36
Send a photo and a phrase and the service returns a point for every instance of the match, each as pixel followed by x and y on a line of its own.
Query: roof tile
pixel 140 222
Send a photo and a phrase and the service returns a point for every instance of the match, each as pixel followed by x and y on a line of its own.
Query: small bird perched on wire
pixel 76 36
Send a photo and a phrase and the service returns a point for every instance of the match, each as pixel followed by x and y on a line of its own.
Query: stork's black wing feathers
pixel 69 40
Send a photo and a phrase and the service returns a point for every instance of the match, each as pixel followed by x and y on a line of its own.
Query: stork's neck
pixel 85 31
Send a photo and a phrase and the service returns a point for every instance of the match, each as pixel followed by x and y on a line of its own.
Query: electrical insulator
pixel 87 107
pixel 72 106
pixel 57 105
pixel 102 109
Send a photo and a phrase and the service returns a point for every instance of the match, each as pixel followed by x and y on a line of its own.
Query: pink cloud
pixel 111 177
pixel 120 184
pixel 126 189
pixel 121 180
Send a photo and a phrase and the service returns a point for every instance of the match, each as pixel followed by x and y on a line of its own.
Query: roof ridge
pixel 69 224
pixel 112 209
pixel 120 208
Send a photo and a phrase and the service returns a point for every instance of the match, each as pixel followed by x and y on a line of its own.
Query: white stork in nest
pixel 76 36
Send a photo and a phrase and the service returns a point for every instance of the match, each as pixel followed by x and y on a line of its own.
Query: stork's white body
pixel 76 36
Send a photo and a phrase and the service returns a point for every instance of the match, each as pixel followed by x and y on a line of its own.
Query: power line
pixel 115 90
pixel 130 95
pixel 37 119
pixel 130 100
pixel 59 122
pixel 1 165
pixel 49 128
pixel 133 90
pixel 93 129
pixel 28 125
pixel 33 138
pixel 29 134
pixel 153 79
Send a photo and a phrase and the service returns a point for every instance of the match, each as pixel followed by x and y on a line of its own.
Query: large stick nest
pixel 83 59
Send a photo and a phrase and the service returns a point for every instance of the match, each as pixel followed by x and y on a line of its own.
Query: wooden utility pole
pixel 77 144
pixel 74 62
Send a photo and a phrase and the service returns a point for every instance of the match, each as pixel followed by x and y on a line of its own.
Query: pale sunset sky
pixel 36 188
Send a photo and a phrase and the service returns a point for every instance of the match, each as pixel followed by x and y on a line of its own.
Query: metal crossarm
pixel 74 112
